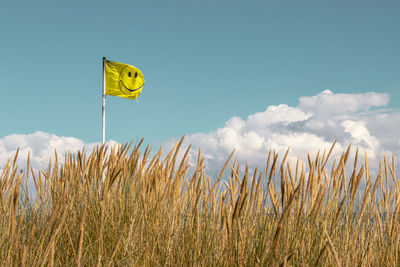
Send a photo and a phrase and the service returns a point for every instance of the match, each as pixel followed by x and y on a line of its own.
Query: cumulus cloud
pixel 314 124
pixel 326 102
pixel 41 146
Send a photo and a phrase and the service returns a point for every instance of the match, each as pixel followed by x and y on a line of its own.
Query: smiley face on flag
pixel 130 80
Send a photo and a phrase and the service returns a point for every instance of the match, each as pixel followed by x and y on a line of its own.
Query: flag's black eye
pixel 129 74
pixel 135 74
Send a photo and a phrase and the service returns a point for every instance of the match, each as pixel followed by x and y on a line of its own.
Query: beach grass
pixel 119 206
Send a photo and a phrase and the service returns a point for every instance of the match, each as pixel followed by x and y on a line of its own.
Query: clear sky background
pixel 204 62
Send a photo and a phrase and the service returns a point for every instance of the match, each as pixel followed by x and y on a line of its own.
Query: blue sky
pixel 204 62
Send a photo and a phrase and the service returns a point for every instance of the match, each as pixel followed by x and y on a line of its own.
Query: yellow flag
pixel 123 80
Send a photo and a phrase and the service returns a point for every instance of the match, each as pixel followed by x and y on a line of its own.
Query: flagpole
pixel 104 102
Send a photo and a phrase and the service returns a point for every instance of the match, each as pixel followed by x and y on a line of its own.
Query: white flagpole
pixel 104 102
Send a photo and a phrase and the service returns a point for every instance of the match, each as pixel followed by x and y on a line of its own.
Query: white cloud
pixel 41 146
pixel 313 125
pixel 326 102
pixel 277 114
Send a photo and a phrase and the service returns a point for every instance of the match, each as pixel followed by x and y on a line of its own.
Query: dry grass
pixel 126 209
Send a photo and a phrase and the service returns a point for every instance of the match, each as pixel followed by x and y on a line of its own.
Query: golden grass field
pixel 119 207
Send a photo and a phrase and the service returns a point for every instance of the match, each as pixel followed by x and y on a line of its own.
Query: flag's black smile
pixel 130 90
